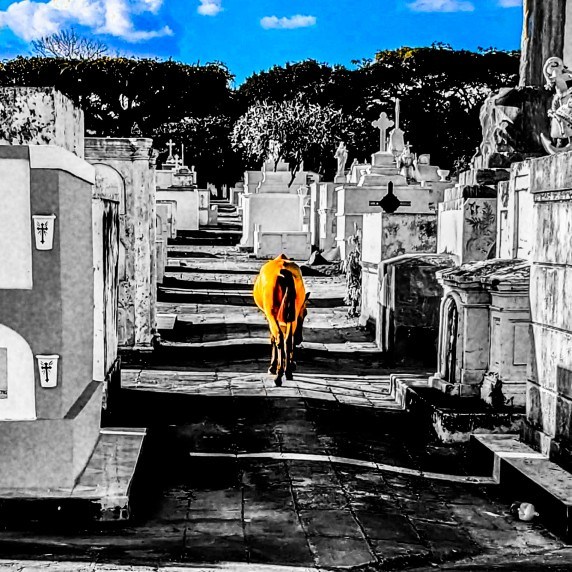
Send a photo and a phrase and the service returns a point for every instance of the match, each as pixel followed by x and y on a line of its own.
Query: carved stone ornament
pixel 559 78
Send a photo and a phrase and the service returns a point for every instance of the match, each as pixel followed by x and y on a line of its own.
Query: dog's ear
pixel 307 295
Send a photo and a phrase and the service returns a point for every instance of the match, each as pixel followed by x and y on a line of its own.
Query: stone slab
pixel 526 473
pixel 106 481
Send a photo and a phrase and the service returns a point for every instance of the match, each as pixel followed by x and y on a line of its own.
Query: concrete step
pixel 240 282
pixel 102 492
pixel 453 419
pixel 232 297
pixel 528 476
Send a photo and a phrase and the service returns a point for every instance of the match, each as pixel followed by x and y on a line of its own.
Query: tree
pixel 441 92
pixel 207 145
pixel 68 44
pixel 292 131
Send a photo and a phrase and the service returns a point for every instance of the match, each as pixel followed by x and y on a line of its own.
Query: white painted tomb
pixel 413 184
pixel 59 248
pixel 178 183
pixel 274 206
pixel 295 243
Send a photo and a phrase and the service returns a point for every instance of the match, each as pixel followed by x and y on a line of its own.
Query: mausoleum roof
pixel 496 274
pixel 421 259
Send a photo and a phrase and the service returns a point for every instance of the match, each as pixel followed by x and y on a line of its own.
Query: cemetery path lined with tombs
pixel 326 472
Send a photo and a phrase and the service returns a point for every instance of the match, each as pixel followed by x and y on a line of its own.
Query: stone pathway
pixel 324 473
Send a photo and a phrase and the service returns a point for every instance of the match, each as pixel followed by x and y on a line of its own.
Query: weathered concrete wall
pixel 515 214
pixel 105 216
pixel 549 391
pixel 467 228
pixel 40 116
pixel 132 160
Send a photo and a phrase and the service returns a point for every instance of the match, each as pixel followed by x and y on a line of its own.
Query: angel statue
pixel 406 164
pixel 342 157
pixel 559 77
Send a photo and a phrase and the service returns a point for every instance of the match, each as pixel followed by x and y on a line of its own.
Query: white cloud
pixel 210 7
pixel 441 6
pixel 298 21
pixel 510 3
pixel 31 20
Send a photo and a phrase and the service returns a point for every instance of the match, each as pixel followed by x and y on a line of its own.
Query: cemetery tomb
pixel 467 223
pixel 51 404
pixel 549 387
pixel 407 319
pixel 386 236
pixel 274 206
pixel 178 184
pixel 394 170
pixel 171 216
pixel 58 308
pixel 132 163
pixel 484 318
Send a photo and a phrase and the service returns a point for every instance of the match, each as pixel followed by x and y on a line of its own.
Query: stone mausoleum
pixel 129 164
pixel 59 248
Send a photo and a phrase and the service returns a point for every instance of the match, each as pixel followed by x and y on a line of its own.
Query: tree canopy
pixel 294 131
pixel 441 91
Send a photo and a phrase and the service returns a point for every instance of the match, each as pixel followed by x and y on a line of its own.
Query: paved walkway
pixel 324 473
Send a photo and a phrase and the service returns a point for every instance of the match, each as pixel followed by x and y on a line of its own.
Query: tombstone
pixel 171 217
pixel 58 301
pixel 273 204
pixel 131 160
pixel 162 235
pixel 179 185
pixel 235 193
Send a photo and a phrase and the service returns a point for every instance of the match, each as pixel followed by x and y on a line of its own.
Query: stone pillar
pixel 546 32
pixel 132 160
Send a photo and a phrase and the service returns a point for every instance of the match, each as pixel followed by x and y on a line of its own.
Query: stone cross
pixel 383 124
pixel 170 144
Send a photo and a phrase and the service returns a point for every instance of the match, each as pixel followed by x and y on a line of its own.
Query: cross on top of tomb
pixel 170 144
pixel 383 124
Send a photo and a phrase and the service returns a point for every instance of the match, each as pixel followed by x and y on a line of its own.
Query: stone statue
pixel 342 157
pixel 406 163
pixel 559 78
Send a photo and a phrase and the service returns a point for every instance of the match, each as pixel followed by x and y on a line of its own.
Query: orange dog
pixel 280 293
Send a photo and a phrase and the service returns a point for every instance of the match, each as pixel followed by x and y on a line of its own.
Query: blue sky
pixel 253 35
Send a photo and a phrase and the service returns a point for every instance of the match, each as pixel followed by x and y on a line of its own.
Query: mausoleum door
pixel 450 347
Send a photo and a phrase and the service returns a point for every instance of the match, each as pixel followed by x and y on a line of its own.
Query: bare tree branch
pixel 69 44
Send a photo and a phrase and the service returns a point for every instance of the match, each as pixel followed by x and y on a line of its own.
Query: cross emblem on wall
pixel 46 368
pixel 383 124
pixel 42 229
